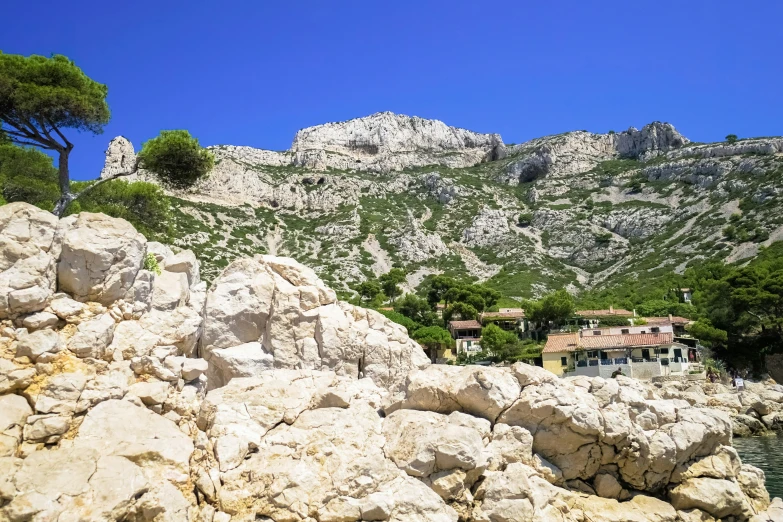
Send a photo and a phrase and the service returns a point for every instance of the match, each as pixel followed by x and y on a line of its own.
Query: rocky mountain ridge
pixel 129 390
pixel 577 209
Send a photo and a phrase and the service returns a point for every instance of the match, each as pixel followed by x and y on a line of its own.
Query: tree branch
pixel 31 143
pixel 65 200
pixel 43 127
pixel 27 130
pixel 68 144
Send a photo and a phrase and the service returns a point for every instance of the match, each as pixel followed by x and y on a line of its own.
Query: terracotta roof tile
pixel 592 342
pixel 463 325
pixel 561 343
pixel 502 315
pixel 572 342
pixel 602 313
pixel 665 320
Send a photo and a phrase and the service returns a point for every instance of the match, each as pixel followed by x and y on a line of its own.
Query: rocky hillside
pixel 576 209
pixel 131 391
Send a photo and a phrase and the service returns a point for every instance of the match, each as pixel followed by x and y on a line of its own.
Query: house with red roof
pixel 643 352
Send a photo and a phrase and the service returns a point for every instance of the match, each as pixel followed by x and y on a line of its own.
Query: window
pixel 664 350
pixel 655 329
pixel 625 331
pixel 592 353
pixel 596 332
pixel 644 331
pixel 564 361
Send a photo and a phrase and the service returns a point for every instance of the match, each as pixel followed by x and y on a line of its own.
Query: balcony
pixel 637 367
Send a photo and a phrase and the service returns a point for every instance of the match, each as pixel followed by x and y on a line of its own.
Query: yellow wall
pixel 552 361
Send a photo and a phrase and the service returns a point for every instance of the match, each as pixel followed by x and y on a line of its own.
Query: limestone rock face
pixel 28 252
pixel 384 141
pixel 298 321
pixel 120 158
pixel 100 258
pixel 579 151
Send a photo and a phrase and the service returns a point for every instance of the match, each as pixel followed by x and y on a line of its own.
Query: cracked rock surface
pixel 265 398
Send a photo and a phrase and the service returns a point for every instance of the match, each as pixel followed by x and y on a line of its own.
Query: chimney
pixel 670 318
pixel 634 312
pixel 611 309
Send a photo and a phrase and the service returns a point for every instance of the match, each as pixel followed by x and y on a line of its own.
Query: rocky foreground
pixel 129 391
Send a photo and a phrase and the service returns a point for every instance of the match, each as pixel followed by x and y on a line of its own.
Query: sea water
pixel 765 453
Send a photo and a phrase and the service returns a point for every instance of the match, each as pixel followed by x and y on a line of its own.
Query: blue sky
pixel 254 72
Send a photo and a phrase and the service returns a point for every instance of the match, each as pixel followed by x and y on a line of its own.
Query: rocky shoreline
pixel 131 391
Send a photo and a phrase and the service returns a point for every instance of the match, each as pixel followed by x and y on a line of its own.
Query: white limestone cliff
pixel 568 154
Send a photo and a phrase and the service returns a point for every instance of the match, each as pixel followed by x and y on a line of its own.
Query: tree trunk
pixel 64 180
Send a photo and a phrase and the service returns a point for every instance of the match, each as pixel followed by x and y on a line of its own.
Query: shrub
pixel 143 204
pixel 603 238
pixel 28 175
pixel 634 186
pixel 176 157
pixel 731 138
pixel 525 219
pixel 398 318
pixel 151 263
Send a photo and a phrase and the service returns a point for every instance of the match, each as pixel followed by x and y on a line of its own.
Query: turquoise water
pixel 765 453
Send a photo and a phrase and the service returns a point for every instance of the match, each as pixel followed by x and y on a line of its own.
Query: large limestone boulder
pixel 27 258
pixel 307 442
pixel 298 321
pixel 100 258
pixel 720 498
pixel 477 390
pixel 123 429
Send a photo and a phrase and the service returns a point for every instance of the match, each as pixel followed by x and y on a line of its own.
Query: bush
pixel 525 219
pixel 398 318
pixel 28 175
pixel 151 263
pixel 612 320
pixel 634 186
pixel 176 157
pixel 143 204
pixel 603 238
pixel 731 138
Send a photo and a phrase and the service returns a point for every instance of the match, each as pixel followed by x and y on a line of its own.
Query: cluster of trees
pixel 739 309
pixel 40 99
pixel 461 301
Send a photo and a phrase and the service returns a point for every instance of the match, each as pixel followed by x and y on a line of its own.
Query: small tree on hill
pixel 555 308
pixel 494 338
pixel 368 290
pixel 176 157
pixel 39 98
pixel 390 282
pixel 731 138
pixel 433 337
pixel 416 308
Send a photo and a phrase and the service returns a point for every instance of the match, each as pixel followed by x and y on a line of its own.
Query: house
pixel 509 319
pixel 642 352
pixel 686 294
pixel 467 335
pixel 592 318
pixel 678 323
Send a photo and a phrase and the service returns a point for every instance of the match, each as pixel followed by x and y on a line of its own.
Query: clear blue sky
pixel 254 72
